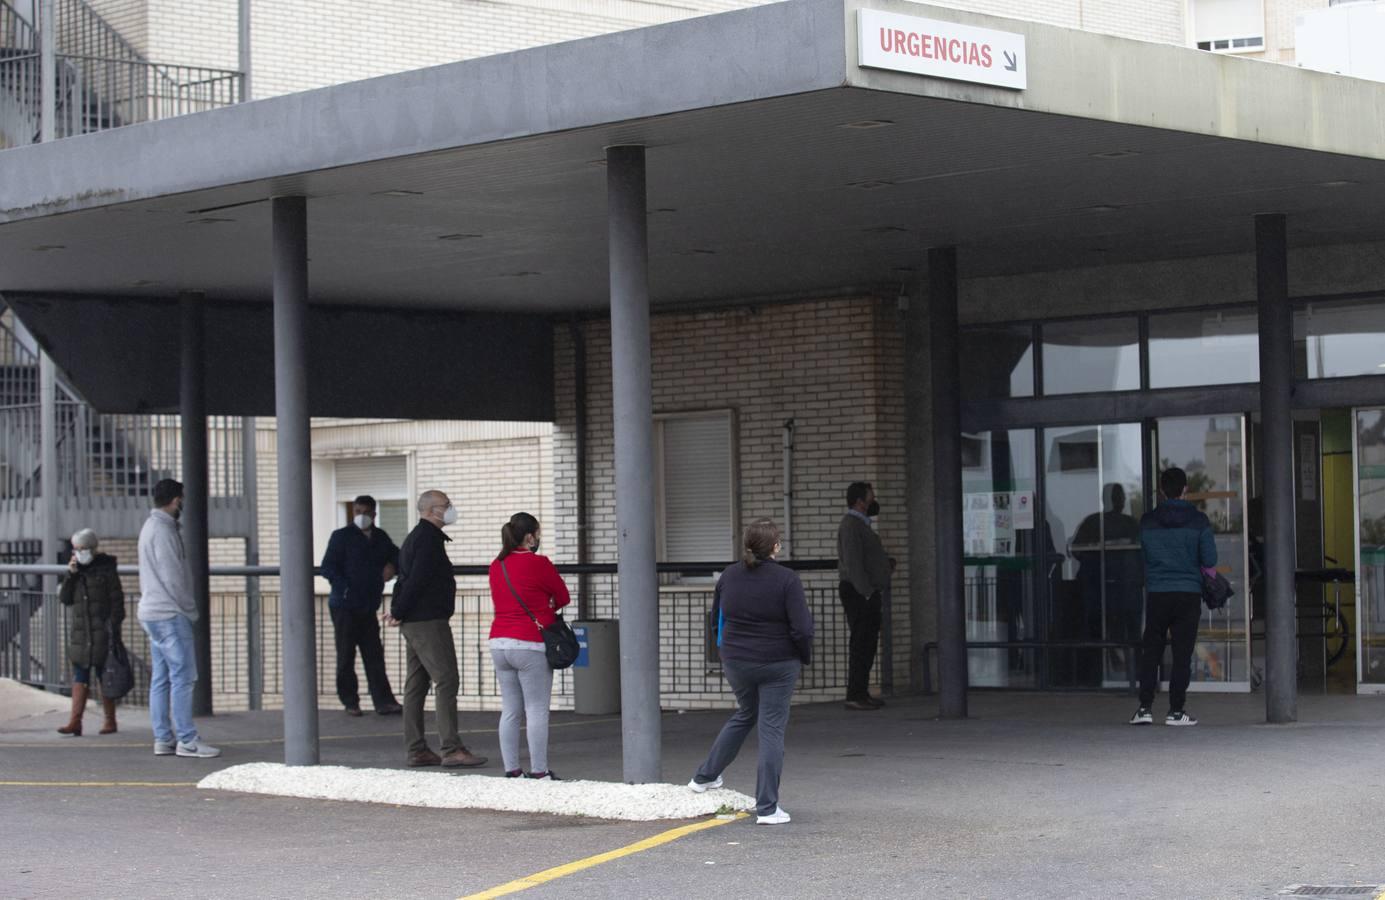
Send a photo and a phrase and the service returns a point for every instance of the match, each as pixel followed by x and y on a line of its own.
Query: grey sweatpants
pixel 763 692
pixel 526 684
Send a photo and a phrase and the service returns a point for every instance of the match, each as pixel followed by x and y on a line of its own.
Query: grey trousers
pixel 763 692
pixel 526 684
pixel 432 657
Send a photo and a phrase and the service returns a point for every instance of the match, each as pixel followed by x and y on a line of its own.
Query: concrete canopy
pixel 776 166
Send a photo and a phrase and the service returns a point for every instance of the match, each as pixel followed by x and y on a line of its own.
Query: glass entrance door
pixel 1370 550
pixel 1211 449
pixel 1094 496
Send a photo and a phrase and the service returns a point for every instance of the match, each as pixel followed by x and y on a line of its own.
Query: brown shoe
pixel 462 758
pixel 109 727
pixel 73 728
pixel 423 758
pixel 354 712
pixel 861 706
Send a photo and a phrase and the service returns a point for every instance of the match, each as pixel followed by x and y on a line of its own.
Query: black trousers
pixel 360 629
pixel 863 621
pixel 1176 614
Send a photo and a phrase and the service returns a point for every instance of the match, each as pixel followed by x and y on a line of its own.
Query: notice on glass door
pixel 1022 505
pixel 990 520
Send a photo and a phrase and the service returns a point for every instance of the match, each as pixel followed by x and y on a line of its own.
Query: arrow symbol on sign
pixel 1012 62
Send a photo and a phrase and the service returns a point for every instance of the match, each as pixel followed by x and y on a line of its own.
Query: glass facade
pixel 999 362
pixel 1188 349
pixel 1091 355
pixel 1339 340
pixel 1370 511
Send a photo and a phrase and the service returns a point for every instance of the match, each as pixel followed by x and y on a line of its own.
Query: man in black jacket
pixel 360 558
pixel 425 596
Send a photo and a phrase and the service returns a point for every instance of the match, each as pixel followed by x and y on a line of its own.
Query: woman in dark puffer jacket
pixel 92 588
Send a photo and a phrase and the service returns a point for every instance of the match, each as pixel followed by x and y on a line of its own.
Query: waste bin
pixel 596 674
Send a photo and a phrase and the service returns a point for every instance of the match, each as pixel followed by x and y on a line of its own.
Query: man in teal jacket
pixel 1178 545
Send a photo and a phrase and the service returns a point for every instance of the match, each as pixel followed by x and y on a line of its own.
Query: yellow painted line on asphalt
pixel 250 742
pixel 97 784
pixel 547 875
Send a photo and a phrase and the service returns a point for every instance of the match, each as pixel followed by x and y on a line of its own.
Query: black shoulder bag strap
pixel 511 585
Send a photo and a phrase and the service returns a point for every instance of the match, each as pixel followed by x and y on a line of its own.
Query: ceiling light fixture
pixel 1115 154
pixel 398 193
pixel 1099 208
pixel 1336 184
pixel 48 248
pixel 885 229
pixel 210 220
pixel 869 185
pixel 459 236
pixel 866 124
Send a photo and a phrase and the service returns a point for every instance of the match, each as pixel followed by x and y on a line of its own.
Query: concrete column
pixel 48 71
pixel 918 483
pixel 632 390
pixel 297 621
pixel 243 50
pixel 947 481
pixel 192 405
pixel 1277 457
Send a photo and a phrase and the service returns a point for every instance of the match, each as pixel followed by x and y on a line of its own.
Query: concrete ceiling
pixel 777 196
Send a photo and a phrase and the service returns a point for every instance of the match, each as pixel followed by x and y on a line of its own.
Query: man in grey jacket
pixel 863 569
pixel 167 610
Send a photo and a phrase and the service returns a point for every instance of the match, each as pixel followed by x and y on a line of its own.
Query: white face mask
pixel 363 521
pixel 449 515
pixel 84 557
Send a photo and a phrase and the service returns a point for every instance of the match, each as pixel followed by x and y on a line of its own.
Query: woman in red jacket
pixel 521 666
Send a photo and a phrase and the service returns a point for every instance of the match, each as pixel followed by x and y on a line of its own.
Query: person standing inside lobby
pixel 863 569
pixel 360 558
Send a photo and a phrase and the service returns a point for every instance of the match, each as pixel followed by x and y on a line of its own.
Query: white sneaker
pixel 163 748
pixel 704 788
pixel 778 817
pixel 198 750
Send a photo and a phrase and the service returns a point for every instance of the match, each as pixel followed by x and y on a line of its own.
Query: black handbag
pixel 118 676
pixel 559 643
pixel 1216 590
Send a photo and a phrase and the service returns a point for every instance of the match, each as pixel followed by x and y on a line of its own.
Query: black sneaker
pixel 544 776
pixel 1142 717
pixel 1179 717
pixel 515 773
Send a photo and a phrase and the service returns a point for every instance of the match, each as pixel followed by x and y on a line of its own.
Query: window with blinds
pixel 696 487
pixel 386 478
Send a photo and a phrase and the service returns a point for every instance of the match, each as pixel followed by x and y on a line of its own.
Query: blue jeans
pixel 174 664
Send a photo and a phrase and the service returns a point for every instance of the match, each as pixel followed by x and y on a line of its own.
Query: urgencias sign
pixel 942 49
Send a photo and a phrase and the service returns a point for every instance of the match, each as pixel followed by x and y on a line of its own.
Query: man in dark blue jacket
pixel 360 558
pixel 1178 544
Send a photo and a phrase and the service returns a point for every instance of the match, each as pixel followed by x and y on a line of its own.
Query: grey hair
pixel 429 499
pixel 86 538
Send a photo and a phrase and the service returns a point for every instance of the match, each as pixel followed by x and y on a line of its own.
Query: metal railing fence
pixel 247 645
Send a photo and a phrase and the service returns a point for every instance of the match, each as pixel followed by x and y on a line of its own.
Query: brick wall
pixel 834 367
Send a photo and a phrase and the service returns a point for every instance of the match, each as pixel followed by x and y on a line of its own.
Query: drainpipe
pixel 786 536
pixel 579 379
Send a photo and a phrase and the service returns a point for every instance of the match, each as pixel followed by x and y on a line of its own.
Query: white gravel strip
pixel 440 790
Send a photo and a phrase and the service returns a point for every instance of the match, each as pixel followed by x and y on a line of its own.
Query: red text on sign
pixel 934 46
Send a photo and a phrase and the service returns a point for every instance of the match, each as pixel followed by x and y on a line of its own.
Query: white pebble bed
pixel 441 790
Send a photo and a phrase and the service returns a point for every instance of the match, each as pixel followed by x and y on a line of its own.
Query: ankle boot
pixel 109 707
pixel 73 728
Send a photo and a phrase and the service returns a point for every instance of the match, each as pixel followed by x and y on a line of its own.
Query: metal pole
pixel 919 490
pixel 48 70
pixel 632 398
pixel 196 490
pixel 1277 454
pixel 254 615
pixel 295 480
pixel 243 58
pixel 579 389
pixel 947 482
pixel 48 515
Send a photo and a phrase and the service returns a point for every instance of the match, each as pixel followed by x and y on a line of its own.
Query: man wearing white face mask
pixel 360 558
pixel 425 597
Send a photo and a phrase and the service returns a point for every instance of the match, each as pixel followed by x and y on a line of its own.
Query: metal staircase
pixel 102 80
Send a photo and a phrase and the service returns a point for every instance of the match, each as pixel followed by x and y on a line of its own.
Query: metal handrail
pixel 475 569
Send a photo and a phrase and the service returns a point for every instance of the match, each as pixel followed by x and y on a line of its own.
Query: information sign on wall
pixel 942 49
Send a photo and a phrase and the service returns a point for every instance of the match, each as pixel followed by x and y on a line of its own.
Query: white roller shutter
pixel 382 477
pixel 697 487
